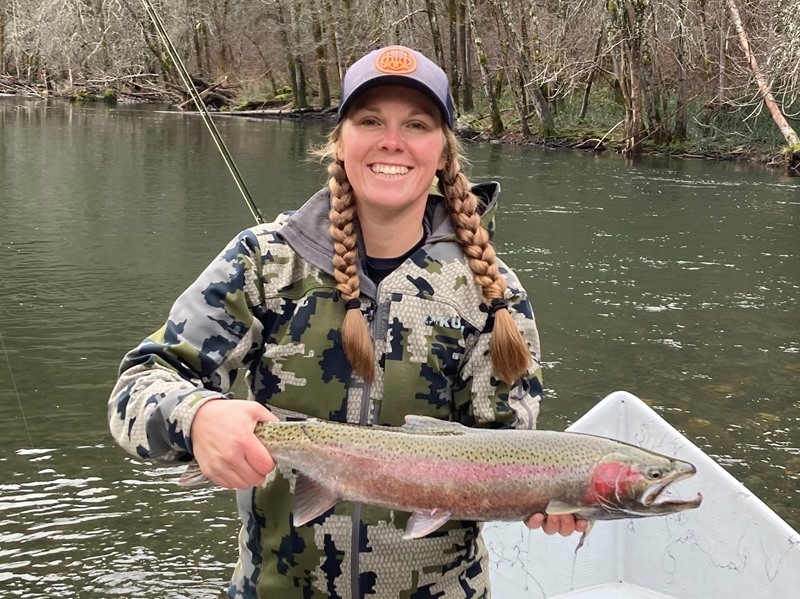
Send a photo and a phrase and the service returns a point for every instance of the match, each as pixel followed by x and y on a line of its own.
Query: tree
pixel 679 131
pixel 763 85
pixel 486 74
pixel 322 61
pixel 625 36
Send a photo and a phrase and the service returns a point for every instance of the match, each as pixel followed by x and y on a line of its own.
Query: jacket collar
pixel 306 229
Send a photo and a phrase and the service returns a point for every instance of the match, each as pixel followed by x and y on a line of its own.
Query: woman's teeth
pixel 386 169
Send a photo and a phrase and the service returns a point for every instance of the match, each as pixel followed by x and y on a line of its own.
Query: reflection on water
pixel 677 281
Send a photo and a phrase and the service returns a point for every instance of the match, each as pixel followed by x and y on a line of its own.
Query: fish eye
pixel 654 473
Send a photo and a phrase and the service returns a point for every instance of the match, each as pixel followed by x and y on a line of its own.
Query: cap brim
pixel 393 80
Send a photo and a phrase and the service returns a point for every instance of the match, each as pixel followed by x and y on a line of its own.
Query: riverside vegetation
pixel 698 78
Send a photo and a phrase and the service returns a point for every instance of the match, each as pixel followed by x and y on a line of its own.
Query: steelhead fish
pixel 440 470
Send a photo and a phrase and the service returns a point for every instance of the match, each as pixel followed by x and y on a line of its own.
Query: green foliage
pixel 108 95
pixel 284 93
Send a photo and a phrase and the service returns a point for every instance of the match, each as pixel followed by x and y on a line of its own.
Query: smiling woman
pixel 344 310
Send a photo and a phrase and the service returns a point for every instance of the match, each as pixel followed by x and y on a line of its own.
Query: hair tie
pixel 497 304
pixel 352 304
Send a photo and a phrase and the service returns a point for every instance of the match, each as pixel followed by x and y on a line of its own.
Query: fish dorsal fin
pixel 425 425
pixel 424 523
pixel 311 500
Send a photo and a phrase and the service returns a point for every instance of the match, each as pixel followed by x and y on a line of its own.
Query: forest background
pixel 717 78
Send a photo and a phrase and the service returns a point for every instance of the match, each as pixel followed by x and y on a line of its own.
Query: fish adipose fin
pixel 311 500
pixel 424 523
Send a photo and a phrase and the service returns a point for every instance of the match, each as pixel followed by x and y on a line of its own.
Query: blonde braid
pixel 509 351
pixel 355 334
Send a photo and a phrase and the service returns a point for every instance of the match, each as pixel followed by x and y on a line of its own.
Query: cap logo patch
pixel 396 60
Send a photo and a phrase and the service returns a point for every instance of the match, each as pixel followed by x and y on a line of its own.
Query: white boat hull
pixel 732 546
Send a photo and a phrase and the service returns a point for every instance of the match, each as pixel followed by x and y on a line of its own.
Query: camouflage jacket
pixel 268 305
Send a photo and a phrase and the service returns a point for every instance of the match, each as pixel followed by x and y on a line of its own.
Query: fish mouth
pixel 653 498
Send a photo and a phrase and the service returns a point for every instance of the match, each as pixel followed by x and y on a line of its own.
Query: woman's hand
pixel 563 524
pixel 225 446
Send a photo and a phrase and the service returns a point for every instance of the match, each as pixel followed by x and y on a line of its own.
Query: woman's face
pixel 392 143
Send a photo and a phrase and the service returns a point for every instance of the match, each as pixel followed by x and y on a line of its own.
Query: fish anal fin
pixel 424 523
pixel 311 500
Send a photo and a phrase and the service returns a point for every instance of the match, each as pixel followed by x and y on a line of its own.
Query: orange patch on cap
pixel 396 60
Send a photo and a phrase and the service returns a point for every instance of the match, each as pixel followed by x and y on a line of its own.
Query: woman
pixel 380 297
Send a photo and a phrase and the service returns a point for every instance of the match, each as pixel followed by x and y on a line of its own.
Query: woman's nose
pixel 392 138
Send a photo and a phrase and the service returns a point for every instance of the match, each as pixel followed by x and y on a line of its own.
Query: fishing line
pixel 201 107
pixel 16 390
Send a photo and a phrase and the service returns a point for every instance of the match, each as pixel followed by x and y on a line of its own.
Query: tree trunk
pixel 625 35
pixel 464 32
pixel 651 78
pixel 300 67
pixel 595 61
pixel 763 86
pixel 302 89
pixel 347 17
pixel 532 90
pixel 679 131
pixel 331 27
pixel 486 76
pixel 722 80
pixel 322 61
pixel 433 21
pixel 2 37
pixel 513 59
pixel 454 71
pixel 283 34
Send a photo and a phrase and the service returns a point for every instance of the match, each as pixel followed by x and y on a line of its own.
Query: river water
pixel 678 281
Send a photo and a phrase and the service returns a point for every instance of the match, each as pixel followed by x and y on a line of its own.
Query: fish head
pixel 622 486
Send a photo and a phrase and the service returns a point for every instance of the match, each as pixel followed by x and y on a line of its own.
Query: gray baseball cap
pixel 397 65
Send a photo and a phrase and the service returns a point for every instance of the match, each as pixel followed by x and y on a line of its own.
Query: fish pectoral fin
pixel 424 523
pixel 311 500
pixel 557 507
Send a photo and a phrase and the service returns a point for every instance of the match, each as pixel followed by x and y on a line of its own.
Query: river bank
pixel 583 136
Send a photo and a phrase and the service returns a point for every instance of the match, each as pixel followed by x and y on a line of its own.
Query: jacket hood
pixel 306 229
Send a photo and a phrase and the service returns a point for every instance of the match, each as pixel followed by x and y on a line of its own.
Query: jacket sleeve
pixel 482 399
pixel 191 359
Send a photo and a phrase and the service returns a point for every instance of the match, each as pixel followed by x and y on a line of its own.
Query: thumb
pixel 259 413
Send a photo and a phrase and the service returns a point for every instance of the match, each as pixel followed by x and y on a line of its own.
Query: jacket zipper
pixel 363 420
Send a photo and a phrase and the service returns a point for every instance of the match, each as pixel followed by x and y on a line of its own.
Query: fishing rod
pixel 201 107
